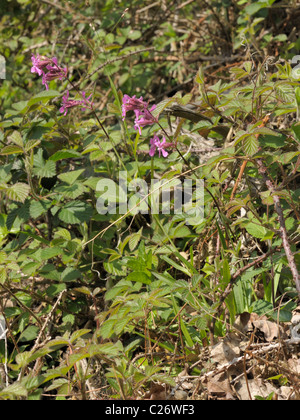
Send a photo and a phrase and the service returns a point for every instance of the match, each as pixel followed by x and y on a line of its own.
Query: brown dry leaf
pixel 219 386
pixel 268 328
pixel 156 392
pixel 226 350
pixel 247 322
pixel 257 387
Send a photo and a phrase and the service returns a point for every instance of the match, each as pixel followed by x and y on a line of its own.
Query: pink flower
pixel 143 115
pixel 70 103
pixel 41 64
pixel 143 119
pixel 133 104
pixel 159 145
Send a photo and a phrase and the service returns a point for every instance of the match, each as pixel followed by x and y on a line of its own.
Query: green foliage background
pixel 79 286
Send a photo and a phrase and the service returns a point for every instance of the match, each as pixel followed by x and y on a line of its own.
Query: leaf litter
pixel 259 360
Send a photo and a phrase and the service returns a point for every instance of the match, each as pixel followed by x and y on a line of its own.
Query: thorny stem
pixel 283 233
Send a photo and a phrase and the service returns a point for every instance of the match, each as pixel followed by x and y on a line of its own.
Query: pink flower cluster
pixel 144 117
pixel 49 69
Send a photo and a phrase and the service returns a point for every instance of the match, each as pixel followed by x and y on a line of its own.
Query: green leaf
pixel 75 212
pixel 15 390
pixel 11 150
pixel 31 144
pixel 70 274
pixel 23 358
pixel 48 253
pixel 37 208
pixel 134 239
pixel 70 177
pixel 162 105
pixel 110 349
pixel 71 191
pixel 16 138
pixel 272 141
pixel 43 96
pixel 251 145
pixel 18 192
pixel 175 265
pixel 64 154
pixel 139 276
pixel 256 230
pixel 42 168
pixel 184 330
pixel 29 334
pixel 226 276
pixel 78 334
pixel 18 216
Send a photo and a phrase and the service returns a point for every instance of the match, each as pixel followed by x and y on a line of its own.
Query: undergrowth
pixel 100 295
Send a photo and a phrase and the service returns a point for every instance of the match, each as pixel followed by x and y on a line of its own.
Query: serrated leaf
pixel 11 150
pixel 31 144
pixel 16 138
pixel 70 177
pixel 70 274
pixel 161 106
pixel 29 334
pixel 78 334
pixel 265 131
pixel 23 358
pixel 71 191
pixel 18 216
pixel 37 208
pixel 3 275
pixel 134 239
pixel 48 253
pixel 64 154
pixel 42 168
pixel 285 92
pixel 251 145
pixel 139 276
pixel 75 213
pixel 18 192
pixel 111 349
pixel 266 198
pixel 15 389
pixel 256 230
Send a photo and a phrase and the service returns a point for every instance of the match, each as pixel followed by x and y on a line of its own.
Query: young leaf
pixel 18 192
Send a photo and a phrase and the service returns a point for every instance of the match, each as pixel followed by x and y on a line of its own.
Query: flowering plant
pixel 144 117
pixel 49 69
